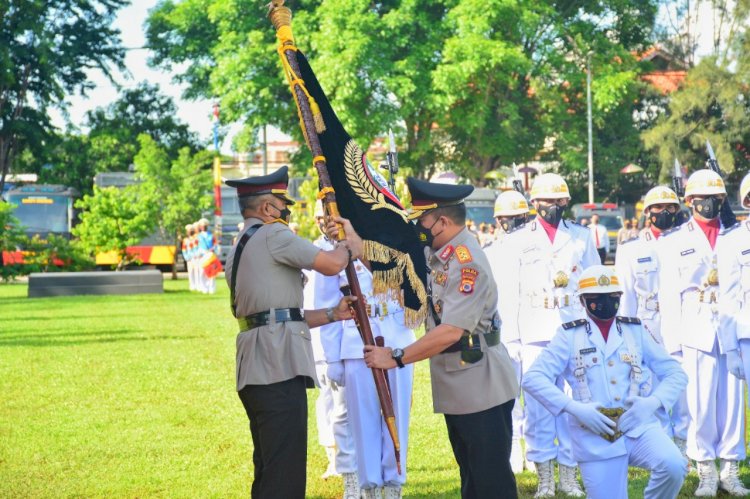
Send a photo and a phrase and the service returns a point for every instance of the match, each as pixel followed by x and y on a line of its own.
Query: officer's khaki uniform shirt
pixel 269 277
pixel 464 295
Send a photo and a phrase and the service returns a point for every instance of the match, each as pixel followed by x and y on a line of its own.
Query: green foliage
pixel 177 188
pixel 12 238
pixel 113 219
pixel 56 254
pixel 714 105
pixel 46 50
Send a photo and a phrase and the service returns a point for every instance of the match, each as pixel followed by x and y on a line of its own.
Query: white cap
pixel 599 279
pixel 744 191
pixel 704 183
pixel 203 221
pixel 660 194
pixel 510 203
pixel 549 186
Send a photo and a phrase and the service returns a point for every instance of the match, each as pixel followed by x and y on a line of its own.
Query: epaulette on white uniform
pixel 628 241
pixel 576 323
pixel 672 230
pixel 733 227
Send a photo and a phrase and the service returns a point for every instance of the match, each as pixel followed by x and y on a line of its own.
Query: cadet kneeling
pixel 611 370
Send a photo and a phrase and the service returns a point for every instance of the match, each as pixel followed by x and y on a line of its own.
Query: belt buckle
pixel 383 310
pixel 368 308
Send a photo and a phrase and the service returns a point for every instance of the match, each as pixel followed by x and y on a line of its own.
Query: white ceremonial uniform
pixel 376 461
pixel 538 285
pixel 688 300
pixel 324 405
pixel 733 258
pixel 326 294
pixel 637 266
pixel 602 372
pixel 498 263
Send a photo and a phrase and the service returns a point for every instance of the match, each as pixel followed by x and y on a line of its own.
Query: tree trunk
pixel 177 247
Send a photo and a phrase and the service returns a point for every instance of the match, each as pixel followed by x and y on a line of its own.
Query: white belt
pixel 381 309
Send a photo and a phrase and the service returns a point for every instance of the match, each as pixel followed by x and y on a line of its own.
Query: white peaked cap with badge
pixel 704 183
pixel 511 203
pixel 660 194
pixel 744 191
pixel 599 279
pixel 549 186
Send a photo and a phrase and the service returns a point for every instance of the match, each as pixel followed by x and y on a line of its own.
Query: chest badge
pixel 713 278
pixel 561 279
pixel 438 306
pixel 440 278
pixel 468 278
pixel 625 357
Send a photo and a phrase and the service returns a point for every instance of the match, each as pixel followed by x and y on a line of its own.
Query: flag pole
pixel 311 123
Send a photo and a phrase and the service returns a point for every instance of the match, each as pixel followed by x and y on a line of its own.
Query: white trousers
pixel 654 451
pixel 197 273
pixel 540 427
pixel 333 423
pixel 376 461
pixel 191 274
pixel 716 403
pixel 518 413
pixel 680 416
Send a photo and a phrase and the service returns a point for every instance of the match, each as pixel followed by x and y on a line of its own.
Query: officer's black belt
pixel 492 338
pixel 263 318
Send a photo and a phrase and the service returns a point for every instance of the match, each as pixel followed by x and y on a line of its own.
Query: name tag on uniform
pixel 584 351
pixel 687 252
pixel 746 251
pixel 625 357
pixel 644 260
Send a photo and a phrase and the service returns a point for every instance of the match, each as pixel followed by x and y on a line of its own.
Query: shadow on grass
pixel 36 318
pixel 41 342
pixel 99 332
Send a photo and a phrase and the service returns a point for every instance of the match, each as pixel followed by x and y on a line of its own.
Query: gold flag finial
pixel 278 14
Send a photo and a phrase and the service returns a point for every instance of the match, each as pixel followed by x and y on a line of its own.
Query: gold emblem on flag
pixel 561 279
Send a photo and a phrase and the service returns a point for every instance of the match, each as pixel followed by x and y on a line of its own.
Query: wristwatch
pixel 329 314
pixel 396 355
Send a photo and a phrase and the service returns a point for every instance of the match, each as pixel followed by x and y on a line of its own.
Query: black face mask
pixel 602 307
pixel 663 220
pixel 509 225
pixel 552 214
pixel 707 208
pixel 425 234
pixel 284 214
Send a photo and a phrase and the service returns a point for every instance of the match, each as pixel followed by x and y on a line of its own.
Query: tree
pixel 179 189
pixel 12 238
pixel 113 219
pixel 46 49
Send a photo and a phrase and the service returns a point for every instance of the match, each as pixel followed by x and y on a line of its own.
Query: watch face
pixel 397 352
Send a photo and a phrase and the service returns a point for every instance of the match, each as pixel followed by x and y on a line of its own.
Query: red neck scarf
pixel 604 326
pixel 550 229
pixel 710 229
pixel 656 232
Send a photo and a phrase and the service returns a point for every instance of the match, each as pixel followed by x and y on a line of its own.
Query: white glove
pixel 640 409
pixel 590 417
pixel 734 364
pixel 514 350
pixel 335 373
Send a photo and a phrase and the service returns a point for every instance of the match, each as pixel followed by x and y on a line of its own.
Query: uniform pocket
pixel 454 363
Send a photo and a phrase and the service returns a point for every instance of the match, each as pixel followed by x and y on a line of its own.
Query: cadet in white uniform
pixel 511 212
pixel 330 408
pixel 545 259
pixel 690 325
pixel 733 250
pixel 637 266
pixel 343 347
pixel 610 361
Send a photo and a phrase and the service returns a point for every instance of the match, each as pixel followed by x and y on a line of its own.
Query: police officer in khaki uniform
pixel 274 353
pixel 473 381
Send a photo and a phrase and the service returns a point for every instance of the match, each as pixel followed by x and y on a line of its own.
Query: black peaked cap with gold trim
pixel 428 195
pixel 275 183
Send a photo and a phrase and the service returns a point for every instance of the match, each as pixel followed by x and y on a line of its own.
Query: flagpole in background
pixel 217 175
pixel 311 123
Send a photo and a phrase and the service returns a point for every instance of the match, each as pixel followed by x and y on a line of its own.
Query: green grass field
pixel 134 397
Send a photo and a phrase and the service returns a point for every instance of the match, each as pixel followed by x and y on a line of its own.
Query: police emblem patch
pixel 463 254
pixel 468 278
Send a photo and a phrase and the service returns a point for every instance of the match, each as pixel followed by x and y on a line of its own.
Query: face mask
pixel 509 225
pixel 284 214
pixel 707 208
pixel 425 234
pixel 552 214
pixel 663 220
pixel 602 307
